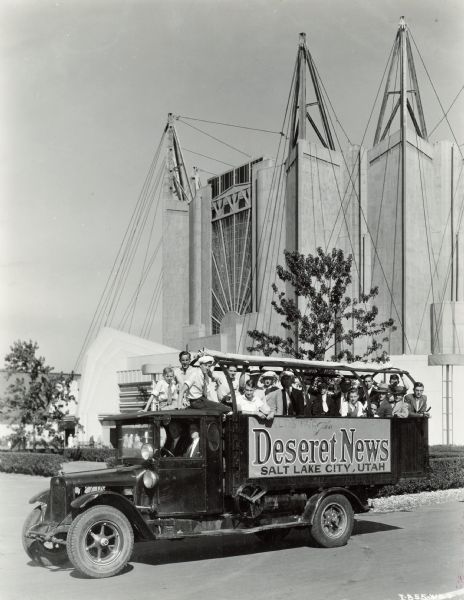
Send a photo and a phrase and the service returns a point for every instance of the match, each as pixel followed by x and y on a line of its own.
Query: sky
pixel 85 89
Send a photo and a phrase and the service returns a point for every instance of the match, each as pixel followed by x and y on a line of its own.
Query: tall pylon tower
pixel 414 200
pixel 403 92
pixel 177 195
pixel 325 185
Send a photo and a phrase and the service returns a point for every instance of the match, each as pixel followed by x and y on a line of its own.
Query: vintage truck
pixel 247 475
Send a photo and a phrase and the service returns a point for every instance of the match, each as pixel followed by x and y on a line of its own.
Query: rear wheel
pixel 100 541
pixel 45 554
pixel 333 521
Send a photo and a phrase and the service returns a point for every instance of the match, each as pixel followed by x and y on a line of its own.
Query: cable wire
pixel 229 125
pixel 216 139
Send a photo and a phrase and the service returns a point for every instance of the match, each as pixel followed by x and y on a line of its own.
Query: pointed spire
pixel 179 180
pixel 404 92
pixel 313 113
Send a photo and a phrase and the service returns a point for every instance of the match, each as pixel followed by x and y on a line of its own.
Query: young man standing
pixel 197 388
pixel 181 372
pixel 417 401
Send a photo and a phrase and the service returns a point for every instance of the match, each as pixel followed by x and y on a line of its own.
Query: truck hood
pixel 105 477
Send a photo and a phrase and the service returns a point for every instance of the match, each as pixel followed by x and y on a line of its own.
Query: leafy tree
pixel 329 321
pixel 37 399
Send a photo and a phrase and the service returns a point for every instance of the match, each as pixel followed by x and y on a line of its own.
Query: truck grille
pixel 57 508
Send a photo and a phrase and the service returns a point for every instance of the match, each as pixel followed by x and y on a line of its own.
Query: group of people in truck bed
pixel 268 394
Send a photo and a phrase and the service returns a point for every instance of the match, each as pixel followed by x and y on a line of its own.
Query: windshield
pixel 171 437
pixel 132 437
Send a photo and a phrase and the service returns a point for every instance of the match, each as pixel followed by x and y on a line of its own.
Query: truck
pixel 245 474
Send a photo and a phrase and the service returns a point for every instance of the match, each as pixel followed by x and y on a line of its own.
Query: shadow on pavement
pixel 194 549
pixel 76 575
pixel 361 527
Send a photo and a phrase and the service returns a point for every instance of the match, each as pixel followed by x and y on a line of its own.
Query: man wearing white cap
pixel 196 389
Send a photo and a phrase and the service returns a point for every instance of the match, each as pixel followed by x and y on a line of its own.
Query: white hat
pixel 286 374
pixel 205 360
pixel 268 375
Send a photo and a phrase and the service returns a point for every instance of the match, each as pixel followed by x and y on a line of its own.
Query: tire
pixel 100 541
pixel 46 554
pixel 272 536
pixel 333 521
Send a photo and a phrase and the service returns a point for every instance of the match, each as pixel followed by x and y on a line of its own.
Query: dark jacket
pixel 316 407
pixel 180 448
pixel 276 402
pixel 385 409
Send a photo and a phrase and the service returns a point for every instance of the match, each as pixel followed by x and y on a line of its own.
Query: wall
pixel 175 274
pixel 427 242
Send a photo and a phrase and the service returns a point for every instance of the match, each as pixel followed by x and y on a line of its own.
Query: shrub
pixel 445 473
pixel 29 463
pixel 446 451
pixel 112 462
pixel 89 453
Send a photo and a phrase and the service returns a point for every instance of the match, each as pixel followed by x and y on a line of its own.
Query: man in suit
pixel 417 401
pixel 194 449
pixel 339 404
pixel 322 402
pixel 368 392
pixel 286 401
pixel 177 442
pixel 386 401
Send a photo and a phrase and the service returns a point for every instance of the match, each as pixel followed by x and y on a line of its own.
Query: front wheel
pixel 100 541
pixel 333 521
pixel 45 554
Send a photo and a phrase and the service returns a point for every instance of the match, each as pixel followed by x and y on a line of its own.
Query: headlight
pixel 147 451
pixel 150 479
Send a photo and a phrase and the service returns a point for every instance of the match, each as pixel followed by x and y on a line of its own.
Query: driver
pixel 176 442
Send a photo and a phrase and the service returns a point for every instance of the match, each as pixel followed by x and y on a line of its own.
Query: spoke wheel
pixel 333 521
pixel 100 541
pixel 44 554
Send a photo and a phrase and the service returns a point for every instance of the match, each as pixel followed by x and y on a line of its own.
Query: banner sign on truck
pixel 290 447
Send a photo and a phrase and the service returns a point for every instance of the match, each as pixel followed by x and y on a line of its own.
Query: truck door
pixel 182 468
pixel 214 467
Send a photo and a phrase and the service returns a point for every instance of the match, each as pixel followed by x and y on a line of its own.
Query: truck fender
pixel 313 502
pixel 40 497
pixel 117 501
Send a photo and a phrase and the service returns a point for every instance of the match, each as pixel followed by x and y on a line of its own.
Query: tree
pixel 329 320
pixel 36 401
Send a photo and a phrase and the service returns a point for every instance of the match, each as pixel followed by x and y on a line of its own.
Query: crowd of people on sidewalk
pixel 268 394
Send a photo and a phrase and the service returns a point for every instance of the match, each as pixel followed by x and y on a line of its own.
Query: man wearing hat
pixel 394 386
pixel 288 400
pixel 196 390
pixel 322 402
pixel 386 401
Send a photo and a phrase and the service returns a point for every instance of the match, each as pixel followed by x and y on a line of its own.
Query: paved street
pixel 418 552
